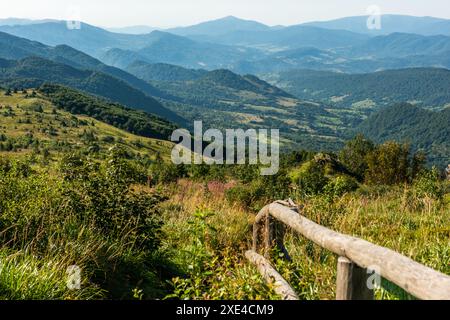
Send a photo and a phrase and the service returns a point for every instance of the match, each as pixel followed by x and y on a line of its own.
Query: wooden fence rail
pixel 357 258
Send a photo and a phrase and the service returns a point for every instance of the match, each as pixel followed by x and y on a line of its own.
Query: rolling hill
pixel 112 48
pixel 402 45
pixel 54 120
pixel 393 51
pixel 134 121
pixel 89 39
pixel 223 99
pixel 18 48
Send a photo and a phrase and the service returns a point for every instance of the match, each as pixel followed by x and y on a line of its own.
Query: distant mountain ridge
pixel 173 49
pixel 163 72
pixel 403 45
pixel 20 21
pixel 219 27
pixel 245 46
pixel 89 39
pixel 390 23
pixel 287 38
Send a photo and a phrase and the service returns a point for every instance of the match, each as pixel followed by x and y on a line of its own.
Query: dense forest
pixel 424 130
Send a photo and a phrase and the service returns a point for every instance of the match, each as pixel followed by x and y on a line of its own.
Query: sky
pixel 171 13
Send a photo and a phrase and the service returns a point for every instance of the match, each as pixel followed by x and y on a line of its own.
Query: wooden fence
pixel 357 258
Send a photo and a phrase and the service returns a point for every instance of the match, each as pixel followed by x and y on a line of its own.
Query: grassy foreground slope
pixel 32 123
pixel 186 238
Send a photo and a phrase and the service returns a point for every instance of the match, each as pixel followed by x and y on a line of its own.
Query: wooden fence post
pixel 269 235
pixel 258 229
pixel 351 281
pixel 279 233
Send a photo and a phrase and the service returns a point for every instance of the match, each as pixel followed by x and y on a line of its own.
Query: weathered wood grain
pixel 281 287
pixel 351 281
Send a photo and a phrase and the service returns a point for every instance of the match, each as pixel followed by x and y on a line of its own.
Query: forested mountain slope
pixel 429 87
pixel 425 130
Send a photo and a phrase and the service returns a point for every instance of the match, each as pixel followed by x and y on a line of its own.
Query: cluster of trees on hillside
pixel 17 143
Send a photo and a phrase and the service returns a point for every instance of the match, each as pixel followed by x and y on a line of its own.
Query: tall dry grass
pixel 395 217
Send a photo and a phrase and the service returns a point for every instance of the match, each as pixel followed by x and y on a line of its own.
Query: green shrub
pixel 340 185
pixel 310 178
pixel 108 139
pixel 245 195
pixel 428 184
pixel 354 155
pixel 259 192
pixel 162 173
pixel 388 164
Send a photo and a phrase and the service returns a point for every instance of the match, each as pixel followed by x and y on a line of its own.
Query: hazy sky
pixel 168 13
